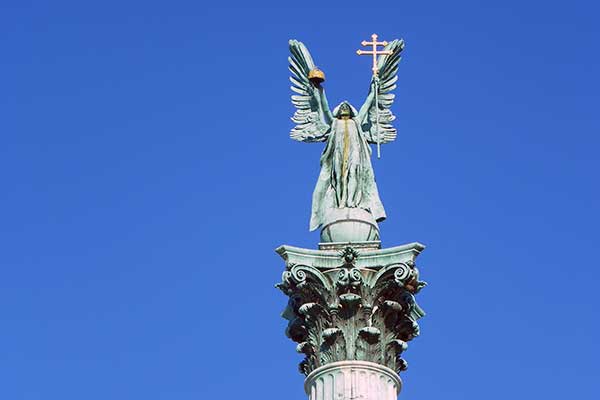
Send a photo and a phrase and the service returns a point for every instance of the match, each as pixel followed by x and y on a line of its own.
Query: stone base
pixel 360 380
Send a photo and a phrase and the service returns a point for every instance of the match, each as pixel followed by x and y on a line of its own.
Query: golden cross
pixel 374 52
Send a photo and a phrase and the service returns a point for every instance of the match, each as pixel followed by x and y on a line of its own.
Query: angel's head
pixel 344 110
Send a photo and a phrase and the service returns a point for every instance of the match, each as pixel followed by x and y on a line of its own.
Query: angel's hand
pixel 374 84
pixel 312 87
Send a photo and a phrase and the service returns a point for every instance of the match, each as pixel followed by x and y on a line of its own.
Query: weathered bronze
pixel 346 184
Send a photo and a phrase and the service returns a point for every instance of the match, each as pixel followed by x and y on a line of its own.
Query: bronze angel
pixel 346 180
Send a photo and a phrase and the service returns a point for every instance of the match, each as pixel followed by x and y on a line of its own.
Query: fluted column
pixel 352 380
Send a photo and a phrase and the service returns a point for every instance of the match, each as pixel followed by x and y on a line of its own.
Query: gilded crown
pixel 316 75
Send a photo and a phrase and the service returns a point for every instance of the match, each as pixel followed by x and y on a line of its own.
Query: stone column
pixel 352 310
pixel 345 380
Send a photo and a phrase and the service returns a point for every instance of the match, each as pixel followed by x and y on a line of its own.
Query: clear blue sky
pixel 147 176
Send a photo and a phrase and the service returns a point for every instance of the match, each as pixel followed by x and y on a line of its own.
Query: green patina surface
pixel 349 300
pixel 351 305
pixel 346 179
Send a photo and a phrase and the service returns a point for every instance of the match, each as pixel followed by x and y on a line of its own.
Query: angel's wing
pixel 312 117
pixel 381 88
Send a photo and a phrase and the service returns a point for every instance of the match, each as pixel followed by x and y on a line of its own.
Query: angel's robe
pixel 346 179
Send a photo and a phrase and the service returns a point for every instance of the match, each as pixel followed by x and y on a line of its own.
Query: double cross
pixel 375 52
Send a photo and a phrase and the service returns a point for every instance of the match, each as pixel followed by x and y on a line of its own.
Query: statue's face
pixel 345 110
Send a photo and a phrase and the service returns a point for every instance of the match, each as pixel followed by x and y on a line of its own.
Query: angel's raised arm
pixel 312 117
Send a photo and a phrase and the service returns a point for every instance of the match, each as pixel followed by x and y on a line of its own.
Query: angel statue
pixel 346 189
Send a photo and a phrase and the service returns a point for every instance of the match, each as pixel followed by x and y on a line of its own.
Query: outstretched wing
pixel 381 98
pixel 312 117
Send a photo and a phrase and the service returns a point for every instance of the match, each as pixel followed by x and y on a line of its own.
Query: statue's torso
pixel 346 180
pixel 347 142
pixel 346 163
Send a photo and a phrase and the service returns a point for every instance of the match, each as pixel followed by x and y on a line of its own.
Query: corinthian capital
pixel 351 305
